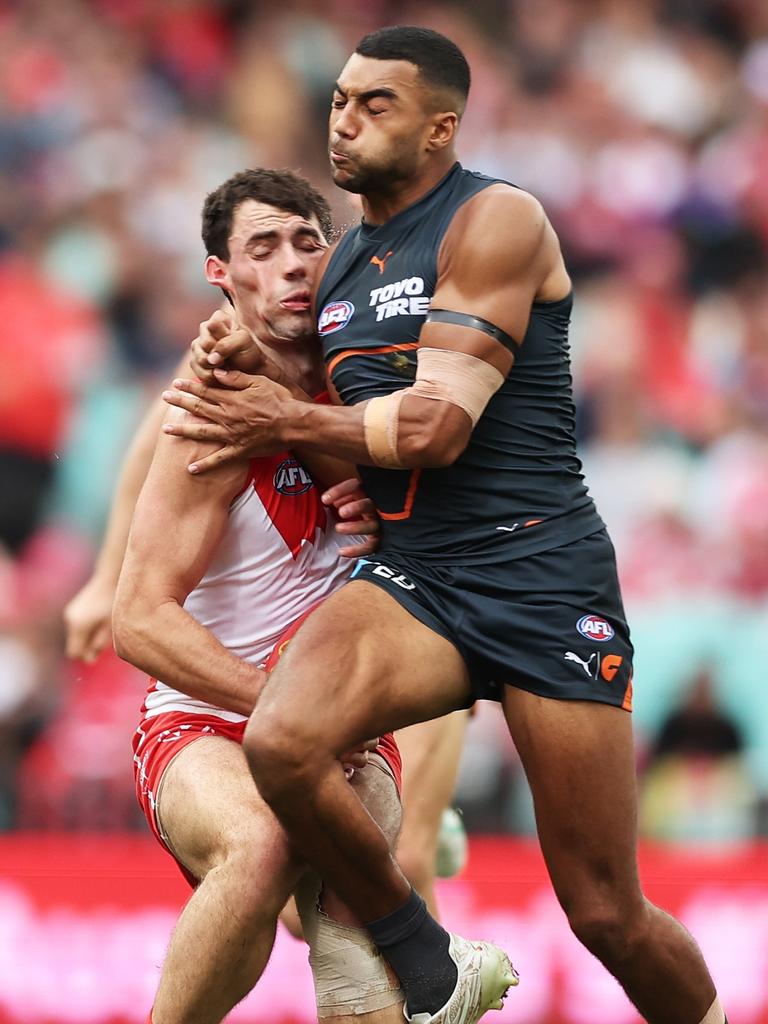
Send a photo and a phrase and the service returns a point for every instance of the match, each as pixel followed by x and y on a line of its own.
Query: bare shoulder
pixel 500 223
pixel 512 205
pixel 503 232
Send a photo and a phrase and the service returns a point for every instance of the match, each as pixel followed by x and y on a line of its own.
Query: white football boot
pixel 485 975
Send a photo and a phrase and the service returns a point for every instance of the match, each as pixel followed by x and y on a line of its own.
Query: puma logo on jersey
pixel 570 656
pixel 401 298
pixel 381 262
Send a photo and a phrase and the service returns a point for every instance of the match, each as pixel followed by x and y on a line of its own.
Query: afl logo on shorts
pixel 595 628
pixel 334 316
pixel 291 478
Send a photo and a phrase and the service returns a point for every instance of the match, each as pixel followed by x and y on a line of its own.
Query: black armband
pixel 449 316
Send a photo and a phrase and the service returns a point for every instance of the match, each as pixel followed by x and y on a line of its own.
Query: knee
pixel 256 866
pixel 270 750
pixel 278 754
pixel 610 928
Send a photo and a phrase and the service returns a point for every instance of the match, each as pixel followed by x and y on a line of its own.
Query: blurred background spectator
pixel 642 125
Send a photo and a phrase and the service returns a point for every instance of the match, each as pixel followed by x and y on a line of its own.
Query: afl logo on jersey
pixel 291 478
pixel 595 628
pixel 335 316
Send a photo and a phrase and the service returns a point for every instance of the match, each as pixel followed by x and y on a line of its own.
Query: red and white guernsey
pixel 278 557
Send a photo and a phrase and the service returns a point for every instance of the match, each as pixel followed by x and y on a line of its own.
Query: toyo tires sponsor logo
pixel 400 298
pixel 334 316
pixel 593 627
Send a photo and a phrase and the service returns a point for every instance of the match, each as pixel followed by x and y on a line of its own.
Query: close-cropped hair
pixel 441 63
pixel 284 190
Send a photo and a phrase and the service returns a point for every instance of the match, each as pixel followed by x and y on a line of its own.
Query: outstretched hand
pixel 243 414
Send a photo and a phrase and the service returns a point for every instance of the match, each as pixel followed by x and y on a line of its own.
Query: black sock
pixel 417 948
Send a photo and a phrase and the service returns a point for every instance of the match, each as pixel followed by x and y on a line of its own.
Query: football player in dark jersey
pixel 443 318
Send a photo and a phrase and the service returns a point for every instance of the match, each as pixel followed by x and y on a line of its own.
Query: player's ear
pixel 217 272
pixel 443 127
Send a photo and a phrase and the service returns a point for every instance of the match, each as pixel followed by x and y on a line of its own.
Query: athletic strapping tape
pixel 443 375
pixel 350 975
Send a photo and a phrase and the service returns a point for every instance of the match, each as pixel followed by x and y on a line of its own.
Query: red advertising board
pixel 84 922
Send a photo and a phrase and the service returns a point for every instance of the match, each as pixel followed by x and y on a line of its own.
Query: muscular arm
pixel 87 616
pixel 325 468
pixel 178 523
pixel 498 256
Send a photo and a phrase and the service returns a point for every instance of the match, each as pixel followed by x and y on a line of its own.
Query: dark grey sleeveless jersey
pixel 517 489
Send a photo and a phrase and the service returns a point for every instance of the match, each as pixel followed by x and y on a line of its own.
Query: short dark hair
pixel 440 62
pixel 284 190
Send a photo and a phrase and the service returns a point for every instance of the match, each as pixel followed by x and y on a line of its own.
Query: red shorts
pixel 158 740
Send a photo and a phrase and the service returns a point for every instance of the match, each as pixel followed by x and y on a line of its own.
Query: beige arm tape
pixel 350 975
pixel 443 375
pixel 456 377
pixel 381 421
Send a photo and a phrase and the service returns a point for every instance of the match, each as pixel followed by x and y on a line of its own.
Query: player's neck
pixel 380 207
pixel 302 362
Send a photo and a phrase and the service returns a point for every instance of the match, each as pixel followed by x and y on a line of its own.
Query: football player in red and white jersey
pixel 216 568
pixel 431 749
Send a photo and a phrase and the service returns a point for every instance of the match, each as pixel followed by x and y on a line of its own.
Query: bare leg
pixel 328 693
pixel 431 753
pixel 579 760
pixel 226 835
pixel 378 791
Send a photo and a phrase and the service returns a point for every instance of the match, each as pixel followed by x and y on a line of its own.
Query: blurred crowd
pixel 642 125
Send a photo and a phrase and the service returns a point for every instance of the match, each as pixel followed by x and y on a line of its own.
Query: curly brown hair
pixel 284 190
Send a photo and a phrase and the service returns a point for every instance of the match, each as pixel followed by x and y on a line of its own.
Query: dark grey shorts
pixel 551 623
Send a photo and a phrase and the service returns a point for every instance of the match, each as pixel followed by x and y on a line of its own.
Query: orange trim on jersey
pixel 627 702
pixel 532 522
pixel 408 507
pixel 404 346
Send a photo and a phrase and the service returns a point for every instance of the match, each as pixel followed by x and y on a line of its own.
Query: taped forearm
pixel 442 375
